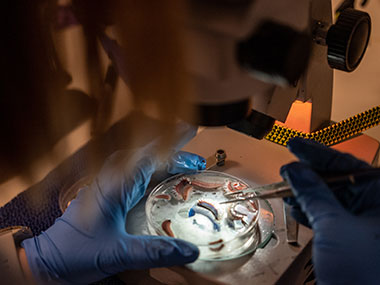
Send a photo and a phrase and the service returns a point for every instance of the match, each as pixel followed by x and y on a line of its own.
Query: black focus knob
pixel 275 53
pixel 347 40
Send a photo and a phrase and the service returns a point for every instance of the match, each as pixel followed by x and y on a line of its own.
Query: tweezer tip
pixel 230 201
pixel 233 193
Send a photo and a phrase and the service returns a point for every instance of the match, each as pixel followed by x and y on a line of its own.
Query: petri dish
pixel 187 206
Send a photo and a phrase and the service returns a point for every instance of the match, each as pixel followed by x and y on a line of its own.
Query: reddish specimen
pixel 242 213
pixel 166 226
pixel 235 215
pixel 186 191
pixel 254 205
pixel 184 188
pixel 215 242
pixel 181 184
pixel 235 186
pixel 217 248
pixel 163 196
pixel 207 185
pixel 238 186
pixel 208 206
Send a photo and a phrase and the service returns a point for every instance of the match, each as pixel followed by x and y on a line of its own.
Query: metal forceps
pixel 282 189
pixel 276 190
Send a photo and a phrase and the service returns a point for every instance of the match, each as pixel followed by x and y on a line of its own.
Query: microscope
pixel 249 61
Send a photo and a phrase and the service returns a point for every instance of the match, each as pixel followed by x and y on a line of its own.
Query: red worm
pixel 180 185
pixel 208 206
pixel 184 188
pixel 215 242
pixel 166 226
pixel 207 185
pixel 254 205
pixel 163 196
pixel 217 248
pixel 186 191
pixel 238 186
pixel 235 186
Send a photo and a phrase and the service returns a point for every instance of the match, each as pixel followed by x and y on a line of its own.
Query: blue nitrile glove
pixel 346 244
pixel 89 241
pixel 183 161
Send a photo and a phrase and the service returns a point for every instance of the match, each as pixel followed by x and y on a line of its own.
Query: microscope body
pixel 250 60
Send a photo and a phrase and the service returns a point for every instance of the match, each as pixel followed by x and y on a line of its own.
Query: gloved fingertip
pixel 298 146
pixel 283 171
pixel 185 162
pixel 201 163
pixel 303 179
pixel 189 251
pixel 178 252
pixel 295 142
pixel 299 175
pixel 158 251
pixel 285 168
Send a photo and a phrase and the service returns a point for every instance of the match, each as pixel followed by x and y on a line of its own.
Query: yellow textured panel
pixel 333 134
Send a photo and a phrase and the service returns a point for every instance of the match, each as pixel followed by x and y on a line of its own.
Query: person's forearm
pixel 25 266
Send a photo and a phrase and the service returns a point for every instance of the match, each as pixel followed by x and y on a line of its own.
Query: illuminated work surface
pixel 256 162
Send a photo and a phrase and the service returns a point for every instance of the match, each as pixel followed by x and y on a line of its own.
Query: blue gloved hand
pixel 346 244
pixel 183 162
pixel 89 241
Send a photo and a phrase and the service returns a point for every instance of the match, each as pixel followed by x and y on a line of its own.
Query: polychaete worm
pixel 206 213
pixel 216 242
pixel 217 248
pixel 184 188
pixel 206 185
pixel 208 206
pixel 166 226
pixel 163 196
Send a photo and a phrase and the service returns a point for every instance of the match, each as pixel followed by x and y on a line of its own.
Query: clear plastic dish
pixel 187 206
